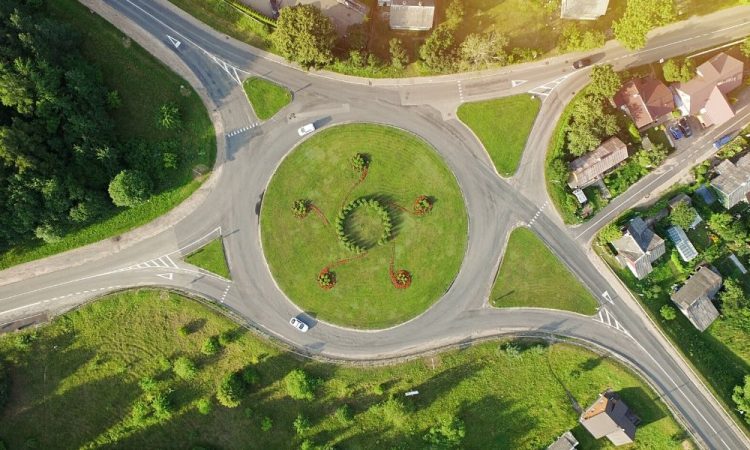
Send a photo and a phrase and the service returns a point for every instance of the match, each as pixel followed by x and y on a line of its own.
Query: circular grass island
pixel 363 226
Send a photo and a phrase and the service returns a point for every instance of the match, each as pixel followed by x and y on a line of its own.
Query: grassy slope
pixel 144 84
pixel 79 379
pixel 531 275
pixel 402 168
pixel 267 98
pixel 503 126
pixel 211 257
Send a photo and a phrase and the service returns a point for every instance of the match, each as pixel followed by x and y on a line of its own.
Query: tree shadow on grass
pixel 502 424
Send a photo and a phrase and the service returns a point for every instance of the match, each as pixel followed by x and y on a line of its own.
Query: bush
pixel 301 424
pixel 250 376
pixel 266 424
pixel 227 337
pixel 129 188
pixel 230 391
pixel 343 414
pixel 169 116
pixel 668 312
pixel 299 385
pixel 447 434
pixel 204 406
pixel 300 208
pixel 210 346
pixel 741 397
pixel 393 412
pixel 184 330
pixel 185 368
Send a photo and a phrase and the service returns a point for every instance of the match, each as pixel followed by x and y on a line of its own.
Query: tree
pixel 230 390
pixel 448 433
pixel 741 397
pixel 648 159
pixel 682 215
pixel 304 35
pixel 481 50
pixel 610 232
pixel 454 13
pixel 169 116
pixel 130 188
pixel 204 406
pixel 676 70
pixel 639 18
pixel 729 230
pixel 668 312
pixel 745 48
pixel 573 40
pixel 438 50
pixel 589 124
pixel 299 385
pixel 185 368
pixel 734 303
pixel 604 81
pixel 399 58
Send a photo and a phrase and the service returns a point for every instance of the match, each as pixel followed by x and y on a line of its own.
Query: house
pixel 733 182
pixel 705 95
pixel 610 416
pixel 583 9
pixel 694 297
pixel 646 100
pixel 679 198
pixel 684 247
pixel 415 15
pixel 639 247
pixel 590 167
pixel 565 442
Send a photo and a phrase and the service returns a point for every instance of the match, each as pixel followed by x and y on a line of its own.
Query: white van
pixel 307 129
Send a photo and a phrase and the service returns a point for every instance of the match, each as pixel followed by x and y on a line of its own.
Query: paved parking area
pixel 341 15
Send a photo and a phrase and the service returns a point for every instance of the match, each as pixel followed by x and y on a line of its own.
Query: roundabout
pixel 363 226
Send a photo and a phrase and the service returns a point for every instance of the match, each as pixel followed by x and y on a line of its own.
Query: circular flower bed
pixel 300 208
pixel 346 238
pixel 326 279
pixel 401 279
pixel 422 205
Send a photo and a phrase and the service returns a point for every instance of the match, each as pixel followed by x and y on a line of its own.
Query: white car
pixel 298 324
pixel 307 129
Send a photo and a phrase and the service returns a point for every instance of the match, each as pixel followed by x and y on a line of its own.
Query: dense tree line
pixel 59 157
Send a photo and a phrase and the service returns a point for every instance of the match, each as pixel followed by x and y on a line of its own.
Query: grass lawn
pixel 76 383
pixel 402 167
pixel 503 125
pixel 211 257
pixel 144 84
pixel 531 275
pixel 267 98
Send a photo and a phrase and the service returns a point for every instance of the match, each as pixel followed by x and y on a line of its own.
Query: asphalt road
pixel 494 205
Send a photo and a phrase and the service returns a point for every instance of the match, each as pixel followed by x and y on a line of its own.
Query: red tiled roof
pixel 646 100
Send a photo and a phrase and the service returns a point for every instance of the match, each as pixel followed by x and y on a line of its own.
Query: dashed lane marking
pixel 226 291
pixel 60 297
pixel 538 213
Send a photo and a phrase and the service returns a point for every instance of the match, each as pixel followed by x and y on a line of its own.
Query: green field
pixel 402 167
pixel 266 97
pixel 503 126
pixel 75 386
pixel 144 84
pixel 530 275
pixel 211 257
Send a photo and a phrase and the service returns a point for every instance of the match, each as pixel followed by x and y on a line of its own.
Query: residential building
pixel 733 182
pixel 609 416
pixel 705 95
pixel 646 100
pixel 417 15
pixel 565 442
pixel 694 297
pixel 583 9
pixel 639 247
pixel 684 247
pixel 590 167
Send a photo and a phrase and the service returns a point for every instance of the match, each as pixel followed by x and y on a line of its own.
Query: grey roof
pixel 610 416
pixel 565 442
pixel 694 297
pixel 701 313
pixel 679 198
pixel 588 167
pixel 412 14
pixel 639 246
pixel 684 247
pixel 583 9
pixel 733 180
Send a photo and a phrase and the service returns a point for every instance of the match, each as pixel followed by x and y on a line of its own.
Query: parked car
pixel 582 63
pixel 298 324
pixel 722 141
pixel 675 131
pixel 685 127
pixel 307 129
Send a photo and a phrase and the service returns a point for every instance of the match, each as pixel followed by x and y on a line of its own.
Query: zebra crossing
pixel 539 211
pixel 607 318
pixel 242 130
pixel 162 262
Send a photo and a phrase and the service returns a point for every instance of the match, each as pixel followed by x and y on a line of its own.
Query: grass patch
pixel 211 257
pixel 144 84
pixel 402 167
pixel 266 97
pixel 503 125
pixel 79 377
pixel 531 275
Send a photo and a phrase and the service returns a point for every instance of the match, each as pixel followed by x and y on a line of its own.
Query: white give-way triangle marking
pixel 174 41
pixel 516 83
pixel 167 276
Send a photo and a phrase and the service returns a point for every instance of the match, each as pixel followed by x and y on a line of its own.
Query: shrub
pixel 448 433
pixel 301 424
pixel 326 279
pixel 343 414
pixel 230 391
pixel 359 162
pixel 210 346
pixel 300 208
pixel 668 312
pixel 226 337
pixel 204 406
pixel 266 424
pixel 185 368
pixel 393 412
pixel 24 341
pixel 299 385
pixel 184 330
pixel 130 188
pixel 169 116
pixel 741 397
pixel 250 376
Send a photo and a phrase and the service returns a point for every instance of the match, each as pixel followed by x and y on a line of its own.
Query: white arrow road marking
pixel 516 83
pixel 606 296
pixel 166 276
pixel 174 41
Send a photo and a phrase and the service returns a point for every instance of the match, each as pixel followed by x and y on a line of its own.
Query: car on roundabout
pixel 307 129
pixel 299 325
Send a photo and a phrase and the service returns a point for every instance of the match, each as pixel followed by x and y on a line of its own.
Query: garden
pixel 152 369
pixel 721 353
pixel 364 226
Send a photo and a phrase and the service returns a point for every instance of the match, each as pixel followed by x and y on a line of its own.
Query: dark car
pixel 582 63
pixel 675 131
pixel 722 141
pixel 685 126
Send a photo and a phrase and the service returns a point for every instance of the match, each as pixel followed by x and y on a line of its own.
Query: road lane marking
pixel 538 212
pixel 174 41
pixel 166 276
